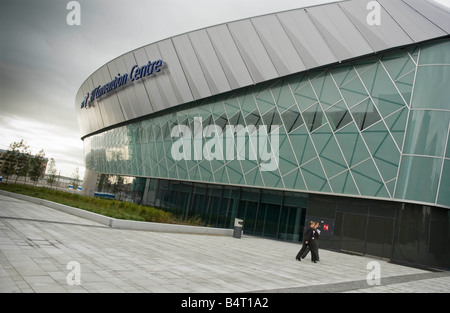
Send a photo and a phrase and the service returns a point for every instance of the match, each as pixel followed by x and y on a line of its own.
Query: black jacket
pixel 308 235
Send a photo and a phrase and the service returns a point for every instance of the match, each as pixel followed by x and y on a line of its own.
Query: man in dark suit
pixel 310 243
pixel 314 245
pixel 307 238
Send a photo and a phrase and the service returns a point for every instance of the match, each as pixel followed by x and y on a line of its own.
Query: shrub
pixel 111 208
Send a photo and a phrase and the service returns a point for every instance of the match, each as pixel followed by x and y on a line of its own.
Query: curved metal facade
pixel 376 127
pixel 309 114
pixel 226 57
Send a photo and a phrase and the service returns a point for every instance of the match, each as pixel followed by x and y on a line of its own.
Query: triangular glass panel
pixel 247 101
pixel 397 63
pixel 235 172
pixel 287 161
pixel 365 114
pixel 296 82
pixel 272 179
pixel 343 183
pixel 292 119
pixel 231 106
pixel 272 118
pixel 383 150
pixel 205 171
pixel 302 145
pixel 342 75
pixel 380 143
pixel 352 145
pixel 339 116
pixel 253 118
pixel 294 180
pixel 391 186
pixel 367 178
pixel 253 178
pixel 221 176
pixel 414 52
pixel 305 97
pixel 322 137
pixel 382 90
pixel 315 177
pixel 354 92
pixel 405 85
pixel 326 90
pixel 282 94
pixel 314 117
pixel 265 101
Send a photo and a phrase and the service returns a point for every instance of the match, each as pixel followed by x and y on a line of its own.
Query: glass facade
pixel 272 214
pixel 376 127
pixel 363 145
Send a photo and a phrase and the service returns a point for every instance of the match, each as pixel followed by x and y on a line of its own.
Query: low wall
pixel 122 224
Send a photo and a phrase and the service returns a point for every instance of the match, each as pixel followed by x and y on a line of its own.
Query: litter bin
pixel 238 223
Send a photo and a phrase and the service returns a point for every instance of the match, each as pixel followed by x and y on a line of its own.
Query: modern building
pixel 338 113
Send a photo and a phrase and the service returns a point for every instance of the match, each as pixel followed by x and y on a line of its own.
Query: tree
pixel 75 178
pixel 51 172
pixel 23 160
pixel 10 162
pixel 36 166
pixel 16 159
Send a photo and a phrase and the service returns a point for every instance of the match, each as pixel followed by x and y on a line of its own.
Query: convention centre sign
pixel 136 73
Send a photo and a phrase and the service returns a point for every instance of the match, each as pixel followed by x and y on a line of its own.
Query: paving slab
pixel 43 250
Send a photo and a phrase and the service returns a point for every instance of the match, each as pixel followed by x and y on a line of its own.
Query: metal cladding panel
pixel 380 37
pixel 108 112
pixel 175 72
pixel 435 13
pixel 94 117
pixel 114 112
pixel 118 66
pixel 252 51
pixel 342 36
pixel 142 105
pixel 155 102
pixel 162 89
pixel 218 59
pixel 414 24
pixel 98 109
pixel 310 45
pixel 83 116
pixel 139 87
pixel 191 66
pixel 209 62
pixel 229 57
pixel 134 92
pixel 278 45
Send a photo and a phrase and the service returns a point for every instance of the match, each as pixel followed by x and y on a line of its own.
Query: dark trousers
pixel 303 251
pixel 314 248
pixel 311 246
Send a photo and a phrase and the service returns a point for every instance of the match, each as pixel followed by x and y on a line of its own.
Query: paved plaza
pixel 44 250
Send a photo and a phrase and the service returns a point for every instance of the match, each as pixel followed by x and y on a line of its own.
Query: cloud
pixel 65 147
pixel 43 60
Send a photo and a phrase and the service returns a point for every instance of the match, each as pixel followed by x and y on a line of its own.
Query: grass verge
pixel 112 208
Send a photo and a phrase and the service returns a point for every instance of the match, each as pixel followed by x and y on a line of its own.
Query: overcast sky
pixel 43 60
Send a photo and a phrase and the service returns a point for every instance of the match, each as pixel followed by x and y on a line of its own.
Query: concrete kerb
pixel 122 224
